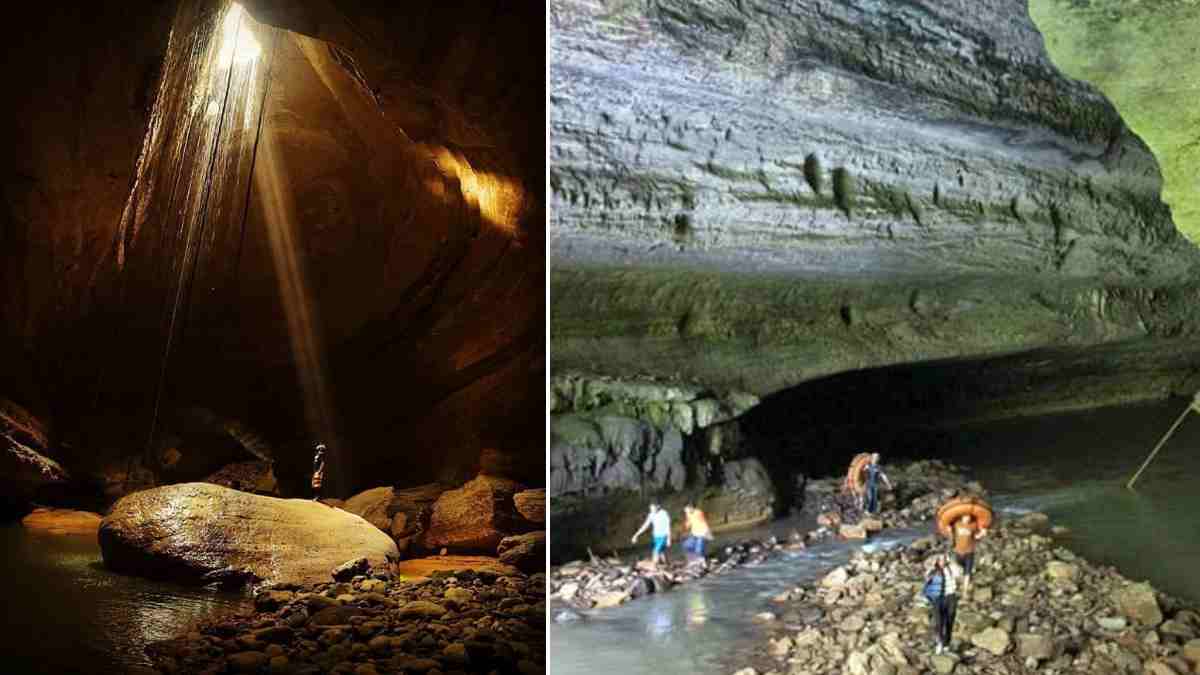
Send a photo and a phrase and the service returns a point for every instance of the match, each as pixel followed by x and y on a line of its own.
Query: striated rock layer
pixel 200 533
pixel 821 187
pixel 747 197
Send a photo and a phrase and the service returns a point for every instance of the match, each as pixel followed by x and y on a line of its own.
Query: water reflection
pixel 694 628
pixel 56 585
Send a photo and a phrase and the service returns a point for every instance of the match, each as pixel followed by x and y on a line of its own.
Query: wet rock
pixel 1034 522
pixel 257 477
pixel 526 552
pixel 351 568
pixel 334 616
pixel 422 608
pixel 200 532
pixel 248 662
pixel 610 599
pixel 1138 602
pixel 475 517
pixel 852 532
pixel 1061 571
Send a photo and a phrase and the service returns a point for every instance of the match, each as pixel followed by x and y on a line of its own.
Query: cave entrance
pixel 948 409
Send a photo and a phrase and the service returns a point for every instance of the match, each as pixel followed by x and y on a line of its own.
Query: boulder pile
pixel 1033 606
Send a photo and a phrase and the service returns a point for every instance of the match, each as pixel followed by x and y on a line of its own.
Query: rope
pixel 1162 442
pixel 262 108
pixel 187 273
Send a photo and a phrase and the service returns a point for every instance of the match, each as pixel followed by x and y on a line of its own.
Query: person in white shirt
pixel 660 523
pixel 942 582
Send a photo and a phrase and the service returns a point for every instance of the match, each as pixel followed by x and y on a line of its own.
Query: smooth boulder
pixel 199 532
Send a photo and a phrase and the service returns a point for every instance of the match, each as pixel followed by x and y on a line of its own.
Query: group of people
pixel 659 524
pixel 947 577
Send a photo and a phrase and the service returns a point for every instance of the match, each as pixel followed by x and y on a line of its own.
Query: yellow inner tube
pixel 956 508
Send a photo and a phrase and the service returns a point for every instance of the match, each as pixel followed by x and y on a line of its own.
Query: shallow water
pixel 65 613
pixel 695 628
pixel 1072 467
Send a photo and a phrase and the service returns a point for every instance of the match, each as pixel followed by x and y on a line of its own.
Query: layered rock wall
pixel 751 196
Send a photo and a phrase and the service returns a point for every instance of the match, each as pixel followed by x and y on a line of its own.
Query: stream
pixel 68 614
pixel 1072 467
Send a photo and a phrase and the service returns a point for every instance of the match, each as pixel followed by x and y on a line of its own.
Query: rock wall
pixel 697 154
pixel 413 150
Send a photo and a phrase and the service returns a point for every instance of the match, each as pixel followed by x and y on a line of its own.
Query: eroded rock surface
pixel 199 532
pixel 748 197
pixel 475 517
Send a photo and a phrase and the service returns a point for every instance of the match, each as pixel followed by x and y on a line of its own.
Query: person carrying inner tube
pixel 660 522
pixel 941 589
pixel 318 474
pixel 964 533
pixel 871 494
pixel 698 534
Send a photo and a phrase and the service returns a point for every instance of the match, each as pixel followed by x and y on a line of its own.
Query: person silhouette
pixel 318 474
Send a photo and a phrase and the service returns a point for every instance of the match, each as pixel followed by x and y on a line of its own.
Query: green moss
pixel 812 173
pixel 1136 54
pixel 843 190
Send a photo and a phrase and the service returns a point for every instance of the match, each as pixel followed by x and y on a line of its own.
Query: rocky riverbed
pixel 920 487
pixel 466 621
pixel 1034 606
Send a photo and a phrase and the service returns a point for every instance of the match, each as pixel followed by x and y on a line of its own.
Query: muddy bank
pixel 919 487
pixel 1033 605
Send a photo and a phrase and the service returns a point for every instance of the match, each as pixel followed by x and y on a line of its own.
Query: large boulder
pixel 475 517
pixel 531 504
pixel 410 511
pixel 526 552
pixel 257 476
pixel 372 506
pixel 199 532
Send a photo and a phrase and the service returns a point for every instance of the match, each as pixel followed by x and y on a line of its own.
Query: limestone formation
pixel 746 198
pixel 200 533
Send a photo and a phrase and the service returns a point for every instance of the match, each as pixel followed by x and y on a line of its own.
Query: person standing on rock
pixel 941 589
pixel 964 533
pixel 660 523
pixel 698 534
pixel 874 474
pixel 318 474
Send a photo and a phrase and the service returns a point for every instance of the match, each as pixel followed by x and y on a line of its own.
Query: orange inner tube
pixel 951 511
pixel 856 474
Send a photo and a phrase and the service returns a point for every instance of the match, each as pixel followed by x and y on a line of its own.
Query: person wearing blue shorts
pixel 659 523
